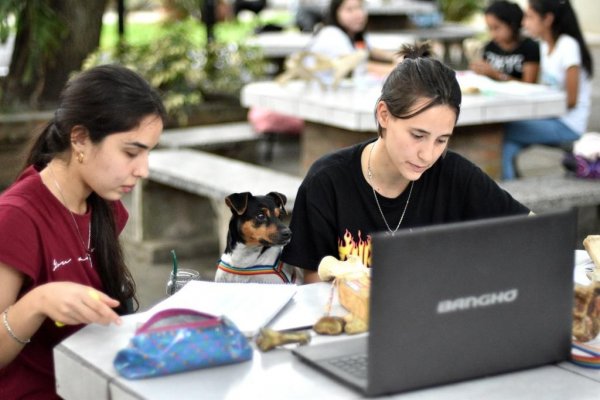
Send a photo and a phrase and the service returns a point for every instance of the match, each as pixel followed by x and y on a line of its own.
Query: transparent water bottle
pixel 184 275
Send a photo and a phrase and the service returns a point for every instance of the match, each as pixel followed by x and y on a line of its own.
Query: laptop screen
pixel 456 301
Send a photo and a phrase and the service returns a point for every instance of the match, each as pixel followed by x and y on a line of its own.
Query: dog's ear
pixel 280 200
pixel 238 202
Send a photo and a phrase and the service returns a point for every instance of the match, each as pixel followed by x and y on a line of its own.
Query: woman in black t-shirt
pixel 508 55
pixel 405 178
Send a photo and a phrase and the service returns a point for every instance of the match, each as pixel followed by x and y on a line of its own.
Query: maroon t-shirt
pixel 38 237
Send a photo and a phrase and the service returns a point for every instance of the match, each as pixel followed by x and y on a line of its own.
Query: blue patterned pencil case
pixel 177 340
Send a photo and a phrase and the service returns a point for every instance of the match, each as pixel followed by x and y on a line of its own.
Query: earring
pixel 80 157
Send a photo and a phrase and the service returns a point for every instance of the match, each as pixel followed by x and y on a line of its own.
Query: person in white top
pixel 344 33
pixel 566 64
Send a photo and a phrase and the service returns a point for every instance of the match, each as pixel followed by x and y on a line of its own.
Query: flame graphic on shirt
pixel 347 245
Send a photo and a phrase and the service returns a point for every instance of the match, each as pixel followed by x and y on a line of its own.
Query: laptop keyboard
pixel 355 365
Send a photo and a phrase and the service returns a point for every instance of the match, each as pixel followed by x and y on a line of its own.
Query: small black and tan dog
pixel 255 239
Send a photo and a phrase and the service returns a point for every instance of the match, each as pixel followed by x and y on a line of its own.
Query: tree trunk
pixel 82 22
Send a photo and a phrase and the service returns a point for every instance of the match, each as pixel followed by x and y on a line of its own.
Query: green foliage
pixel 184 73
pixel 460 10
pixel 47 31
pixel 8 8
pixel 229 66
pixel 138 33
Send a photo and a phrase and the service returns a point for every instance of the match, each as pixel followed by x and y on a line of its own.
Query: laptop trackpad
pixel 344 359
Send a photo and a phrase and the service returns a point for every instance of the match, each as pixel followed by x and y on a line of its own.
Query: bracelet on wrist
pixel 9 329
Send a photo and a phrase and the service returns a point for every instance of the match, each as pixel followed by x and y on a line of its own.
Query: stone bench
pixel 544 193
pixel 236 140
pixel 182 204
pixel 553 192
pixel 207 136
pixel 16 129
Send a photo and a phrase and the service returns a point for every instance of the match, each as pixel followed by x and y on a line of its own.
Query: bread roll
pixel 471 90
pixel 331 268
pixel 592 245
pixel 586 313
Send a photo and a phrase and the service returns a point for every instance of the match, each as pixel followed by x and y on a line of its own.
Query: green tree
pixel 53 37
pixel 460 10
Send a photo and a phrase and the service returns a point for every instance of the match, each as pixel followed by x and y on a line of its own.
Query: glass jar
pixel 184 275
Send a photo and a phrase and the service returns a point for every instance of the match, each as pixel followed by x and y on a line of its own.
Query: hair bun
pixel 416 50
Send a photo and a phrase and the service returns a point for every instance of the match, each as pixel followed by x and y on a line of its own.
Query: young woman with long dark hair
pixel 61 263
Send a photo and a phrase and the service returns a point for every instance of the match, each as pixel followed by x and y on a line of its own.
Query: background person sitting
pixel 344 33
pixel 566 64
pixel 508 55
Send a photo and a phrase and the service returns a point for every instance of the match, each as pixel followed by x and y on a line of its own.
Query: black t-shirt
pixel 335 210
pixel 511 62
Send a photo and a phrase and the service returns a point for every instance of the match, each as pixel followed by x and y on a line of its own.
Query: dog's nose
pixel 286 234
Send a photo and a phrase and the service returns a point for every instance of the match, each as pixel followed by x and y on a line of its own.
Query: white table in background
pixel 278 45
pixel 282 44
pixel 336 118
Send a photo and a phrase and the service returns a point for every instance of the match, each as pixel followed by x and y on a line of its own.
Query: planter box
pixel 215 109
pixel 16 131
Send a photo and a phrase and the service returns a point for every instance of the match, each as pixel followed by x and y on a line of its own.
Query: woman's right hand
pixel 70 303
pixel 63 302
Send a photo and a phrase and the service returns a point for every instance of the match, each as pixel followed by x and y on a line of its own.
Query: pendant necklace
pixel 370 175
pixel 88 250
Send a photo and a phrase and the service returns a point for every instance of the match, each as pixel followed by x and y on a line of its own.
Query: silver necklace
pixel 88 250
pixel 370 175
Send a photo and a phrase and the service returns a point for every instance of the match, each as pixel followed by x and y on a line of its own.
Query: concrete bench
pixel 182 204
pixel 544 193
pixel 553 192
pixel 207 136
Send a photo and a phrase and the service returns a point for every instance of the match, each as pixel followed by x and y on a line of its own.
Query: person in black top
pixel 404 178
pixel 508 55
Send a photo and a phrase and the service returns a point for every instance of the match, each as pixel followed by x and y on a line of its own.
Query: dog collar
pixel 265 269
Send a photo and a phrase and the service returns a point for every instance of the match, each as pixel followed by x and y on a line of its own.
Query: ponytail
pixel 49 142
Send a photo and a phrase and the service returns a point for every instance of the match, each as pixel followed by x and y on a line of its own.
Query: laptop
pixel 459 301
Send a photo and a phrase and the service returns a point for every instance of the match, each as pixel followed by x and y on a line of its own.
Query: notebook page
pixel 309 304
pixel 249 305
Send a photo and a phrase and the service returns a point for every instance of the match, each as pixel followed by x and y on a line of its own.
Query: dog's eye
pixel 261 217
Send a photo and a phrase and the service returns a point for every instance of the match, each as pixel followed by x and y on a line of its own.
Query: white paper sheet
pixel 489 86
pixel 309 304
pixel 249 305
pixel 583 263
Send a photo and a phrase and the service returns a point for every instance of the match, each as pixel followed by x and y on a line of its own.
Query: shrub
pixel 185 74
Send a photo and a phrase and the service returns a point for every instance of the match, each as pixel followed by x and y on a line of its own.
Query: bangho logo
pixel 470 302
